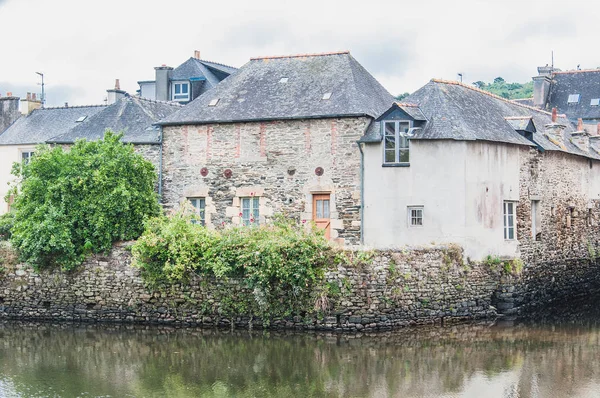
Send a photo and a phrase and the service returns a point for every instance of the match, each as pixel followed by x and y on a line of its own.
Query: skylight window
pixel 595 102
pixel 81 119
pixel 573 99
pixel 213 102
pixel 326 96
pixel 283 80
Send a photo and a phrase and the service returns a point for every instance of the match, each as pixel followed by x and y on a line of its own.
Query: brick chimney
pixel 30 103
pixel 581 138
pixel 554 131
pixel 162 81
pixel 115 94
pixel 196 54
pixel 9 111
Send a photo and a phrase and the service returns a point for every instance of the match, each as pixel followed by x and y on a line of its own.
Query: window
pixel 283 80
pixel 573 99
pixel 536 220
pixel 26 156
pixel 200 205
pixel 327 96
pixel 213 102
pixel 415 216
pixel 250 211
pixel 595 102
pixel 181 91
pixel 509 220
pixel 396 142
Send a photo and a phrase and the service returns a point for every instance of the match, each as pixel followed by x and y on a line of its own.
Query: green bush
pixel 72 203
pixel 6 223
pixel 281 264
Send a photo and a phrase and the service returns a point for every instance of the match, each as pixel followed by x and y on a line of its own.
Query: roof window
pixel 213 102
pixel 573 99
pixel 595 102
pixel 81 119
pixel 326 96
pixel 283 80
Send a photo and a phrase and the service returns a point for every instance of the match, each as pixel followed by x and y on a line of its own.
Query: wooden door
pixel 321 211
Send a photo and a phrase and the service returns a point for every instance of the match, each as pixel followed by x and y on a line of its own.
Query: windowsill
pixel 395 165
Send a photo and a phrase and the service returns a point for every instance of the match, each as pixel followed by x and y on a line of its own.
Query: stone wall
pixel 275 161
pixel 151 153
pixel 396 289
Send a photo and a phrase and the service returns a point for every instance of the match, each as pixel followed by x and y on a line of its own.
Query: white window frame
pixel 199 204
pixel 182 97
pixel 26 155
pixel 398 135
pixel 252 205
pixel 411 219
pixel 506 216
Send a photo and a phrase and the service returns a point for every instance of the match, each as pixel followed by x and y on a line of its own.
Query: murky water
pixel 551 358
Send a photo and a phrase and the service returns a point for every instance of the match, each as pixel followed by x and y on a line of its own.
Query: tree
pixel 479 84
pixel 498 80
pixel 72 203
pixel 400 97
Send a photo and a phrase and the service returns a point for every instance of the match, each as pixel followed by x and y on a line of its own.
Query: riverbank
pixel 393 289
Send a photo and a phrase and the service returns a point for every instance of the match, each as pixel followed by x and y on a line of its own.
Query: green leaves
pixel 72 203
pixel 280 263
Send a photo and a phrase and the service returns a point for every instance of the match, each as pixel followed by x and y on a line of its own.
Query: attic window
pixel 595 102
pixel 213 102
pixel 283 80
pixel 573 99
pixel 81 119
pixel 326 96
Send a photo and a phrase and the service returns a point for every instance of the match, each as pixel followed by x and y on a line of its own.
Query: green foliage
pixel 507 90
pixel 280 264
pixel 400 97
pixel 514 266
pixel 8 256
pixel 72 203
pixel 492 261
pixel 6 223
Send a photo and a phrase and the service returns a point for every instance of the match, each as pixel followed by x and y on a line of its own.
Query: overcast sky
pixel 82 46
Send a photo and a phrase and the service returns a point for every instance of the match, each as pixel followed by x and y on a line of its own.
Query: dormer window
pixel 395 142
pixel 573 99
pixel 181 91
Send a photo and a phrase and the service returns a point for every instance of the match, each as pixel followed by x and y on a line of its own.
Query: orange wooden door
pixel 321 211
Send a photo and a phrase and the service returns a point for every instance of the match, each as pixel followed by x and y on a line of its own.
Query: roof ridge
pixel 562 72
pixel 216 63
pixel 69 107
pixel 301 55
pixel 410 105
pixel 533 108
pixel 172 103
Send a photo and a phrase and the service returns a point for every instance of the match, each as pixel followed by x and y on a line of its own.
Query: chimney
pixel 29 104
pixel 115 94
pixel 9 111
pixel 541 89
pixel 66 104
pixel 581 138
pixel 554 131
pixel 162 82
pixel 196 54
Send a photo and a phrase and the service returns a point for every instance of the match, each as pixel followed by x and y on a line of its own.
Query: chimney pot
pixel 580 124
pixel 598 129
pixel 117 84
pixel 196 54
pixel 66 104
pixel 9 94
pixel 33 97
pixel 554 115
pixel 28 96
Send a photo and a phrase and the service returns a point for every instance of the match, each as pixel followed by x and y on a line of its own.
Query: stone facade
pixel 150 153
pixel 275 161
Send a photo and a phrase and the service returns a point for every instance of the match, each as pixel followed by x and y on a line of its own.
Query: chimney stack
pixel 29 104
pixel 554 131
pixel 554 115
pixel 580 124
pixel 581 138
pixel 196 54
pixel 9 111
pixel 162 82
pixel 115 94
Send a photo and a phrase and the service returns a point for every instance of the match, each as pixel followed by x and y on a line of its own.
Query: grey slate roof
pixel 43 124
pixel 586 83
pixel 133 116
pixel 457 111
pixel 255 92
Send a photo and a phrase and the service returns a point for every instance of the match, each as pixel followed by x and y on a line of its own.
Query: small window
pixel 26 156
pixel 536 220
pixel 181 91
pixel 326 96
pixel 595 102
pixel 573 99
pixel 250 210
pixel 213 102
pixel 396 142
pixel 415 216
pixel 199 205
pixel 81 119
pixel 509 220
pixel 283 80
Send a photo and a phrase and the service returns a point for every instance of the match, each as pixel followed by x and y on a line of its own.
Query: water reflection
pixel 543 358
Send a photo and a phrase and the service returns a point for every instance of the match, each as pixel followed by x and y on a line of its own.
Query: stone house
pixel 186 82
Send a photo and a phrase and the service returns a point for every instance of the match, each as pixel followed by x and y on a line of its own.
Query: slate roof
pixel 194 67
pixel 586 83
pixel 524 101
pixel 256 91
pixel 133 116
pixel 43 124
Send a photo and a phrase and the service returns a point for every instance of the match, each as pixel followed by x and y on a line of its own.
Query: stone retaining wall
pixel 396 289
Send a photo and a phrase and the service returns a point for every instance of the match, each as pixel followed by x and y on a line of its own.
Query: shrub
pixel 72 203
pixel 279 263
pixel 6 223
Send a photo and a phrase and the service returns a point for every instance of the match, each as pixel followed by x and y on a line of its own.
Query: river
pixel 547 357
